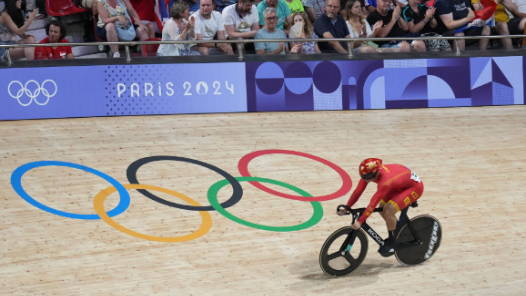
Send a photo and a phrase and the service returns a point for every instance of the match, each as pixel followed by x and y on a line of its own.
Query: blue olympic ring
pixel 16 182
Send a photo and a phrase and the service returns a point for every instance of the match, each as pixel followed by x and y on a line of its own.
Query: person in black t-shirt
pixel 419 18
pixel 331 25
pixel 393 26
pixel 455 14
pixel 421 22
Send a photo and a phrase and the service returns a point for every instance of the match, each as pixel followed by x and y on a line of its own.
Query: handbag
pixel 125 33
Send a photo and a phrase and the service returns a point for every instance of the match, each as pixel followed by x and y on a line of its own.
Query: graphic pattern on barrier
pixel 388 84
pixel 117 90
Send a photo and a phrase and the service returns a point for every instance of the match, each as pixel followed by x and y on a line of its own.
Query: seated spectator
pixel 343 3
pixel 370 6
pixel 401 3
pixel 56 32
pixel 307 47
pixel 295 6
pixel 314 9
pixel 29 6
pixel 242 22
pixel 421 22
pixel 178 28
pixel 503 24
pixel 521 7
pixel 455 14
pixel 194 5
pixel 331 25
pixel 113 11
pixel 209 24
pixel 270 31
pixel 222 4
pixel 359 27
pixel 283 13
pixel 517 14
pixel 12 23
pixel 146 11
pixel 393 26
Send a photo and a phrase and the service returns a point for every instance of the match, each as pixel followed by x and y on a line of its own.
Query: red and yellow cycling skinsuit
pixel 397 185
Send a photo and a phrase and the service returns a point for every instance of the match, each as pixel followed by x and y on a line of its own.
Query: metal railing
pixel 240 42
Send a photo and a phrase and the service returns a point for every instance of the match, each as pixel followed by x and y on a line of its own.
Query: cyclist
pixel 398 187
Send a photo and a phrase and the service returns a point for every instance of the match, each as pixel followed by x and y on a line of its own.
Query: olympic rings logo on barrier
pixel 32 95
pixel 206 225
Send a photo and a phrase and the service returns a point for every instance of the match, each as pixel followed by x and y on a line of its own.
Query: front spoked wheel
pixel 429 230
pixel 338 258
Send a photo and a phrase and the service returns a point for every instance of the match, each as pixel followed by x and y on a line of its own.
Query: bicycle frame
pixel 404 219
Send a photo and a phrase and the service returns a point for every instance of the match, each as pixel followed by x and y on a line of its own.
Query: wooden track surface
pixel 471 160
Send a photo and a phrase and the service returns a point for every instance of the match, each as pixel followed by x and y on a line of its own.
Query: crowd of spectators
pixel 219 20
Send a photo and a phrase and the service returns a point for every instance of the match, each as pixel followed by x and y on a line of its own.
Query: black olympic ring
pixel 131 174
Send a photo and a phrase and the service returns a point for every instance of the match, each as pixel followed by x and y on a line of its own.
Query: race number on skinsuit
pixel 415 177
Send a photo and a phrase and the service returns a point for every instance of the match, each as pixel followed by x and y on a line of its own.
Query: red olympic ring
pixel 346 186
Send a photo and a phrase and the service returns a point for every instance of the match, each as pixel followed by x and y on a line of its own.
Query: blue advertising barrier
pixel 86 91
pixel 117 90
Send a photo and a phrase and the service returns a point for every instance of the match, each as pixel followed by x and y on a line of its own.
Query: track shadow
pixel 310 271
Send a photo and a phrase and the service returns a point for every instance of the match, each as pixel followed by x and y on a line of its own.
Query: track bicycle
pixel 417 239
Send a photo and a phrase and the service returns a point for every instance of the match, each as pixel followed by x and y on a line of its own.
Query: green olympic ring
pixel 316 216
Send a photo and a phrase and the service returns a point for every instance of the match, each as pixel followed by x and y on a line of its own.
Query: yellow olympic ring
pixel 98 204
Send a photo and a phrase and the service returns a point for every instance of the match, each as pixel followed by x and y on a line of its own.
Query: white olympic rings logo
pixel 32 94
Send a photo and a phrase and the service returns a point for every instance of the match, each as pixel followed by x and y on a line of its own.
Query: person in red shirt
pixel 56 32
pixel 146 11
pixel 398 187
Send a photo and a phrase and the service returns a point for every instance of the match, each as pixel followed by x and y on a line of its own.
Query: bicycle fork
pixel 347 244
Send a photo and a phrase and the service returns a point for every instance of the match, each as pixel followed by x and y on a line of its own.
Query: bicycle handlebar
pixel 355 212
pixel 358 212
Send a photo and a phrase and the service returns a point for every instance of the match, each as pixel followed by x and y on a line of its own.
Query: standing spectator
pixel 209 24
pixel 359 27
pixel 314 8
pixel 455 14
pixel 270 31
pixel 307 47
pixel 331 25
pixel 111 12
pixel 12 23
pixel 242 21
pixel 421 21
pixel 393 26
pixel 282 10
pixel 56 31
pixel 177 28
pixel 146 11
pixel 295 6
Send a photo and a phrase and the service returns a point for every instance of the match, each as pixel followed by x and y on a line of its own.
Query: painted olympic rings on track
pixel 98 203
pixel 316 216
pixel 131 173
pixel 346 185
pixel 16 182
